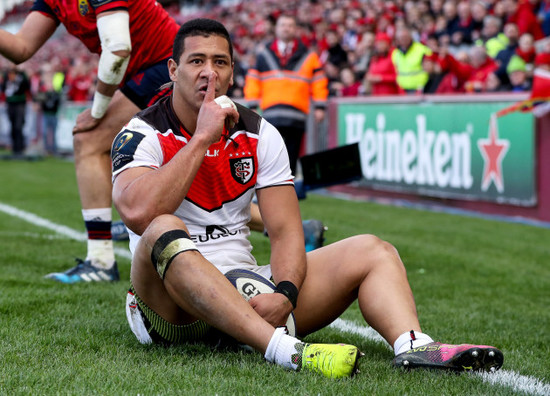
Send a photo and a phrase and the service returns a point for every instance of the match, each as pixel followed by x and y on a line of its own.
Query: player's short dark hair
pixel 199 27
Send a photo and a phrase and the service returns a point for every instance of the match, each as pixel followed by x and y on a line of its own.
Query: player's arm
pixel 114 32
pixel 281 214
pixel 35 31
pixel 116 46
pixel 141 194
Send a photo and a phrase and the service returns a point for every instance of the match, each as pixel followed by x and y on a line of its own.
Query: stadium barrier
pixel 32 129
pixel 449 150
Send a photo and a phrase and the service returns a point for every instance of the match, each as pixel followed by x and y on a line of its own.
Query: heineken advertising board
pixel 450 150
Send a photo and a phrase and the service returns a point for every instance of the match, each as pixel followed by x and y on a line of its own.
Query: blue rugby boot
pixel 84 271
pixel 314 231
pixel 119 231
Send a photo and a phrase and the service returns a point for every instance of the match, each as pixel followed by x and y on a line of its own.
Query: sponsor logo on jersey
pixel 212 153
pixel 213 232
pixel 83 7
pixel 242 169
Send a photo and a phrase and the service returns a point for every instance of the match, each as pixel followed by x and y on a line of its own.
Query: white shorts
pixel 231 259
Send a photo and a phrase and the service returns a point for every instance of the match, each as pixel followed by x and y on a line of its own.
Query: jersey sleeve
pixel 42 7
pixel 108 5
pixel 273 163
pixel 135 146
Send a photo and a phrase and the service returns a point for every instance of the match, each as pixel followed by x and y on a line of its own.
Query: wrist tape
pixel 100 104
pixel 289 290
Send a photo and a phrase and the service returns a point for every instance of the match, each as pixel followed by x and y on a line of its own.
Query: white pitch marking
pixel 58 228
pixel 518 382
pixel 511 379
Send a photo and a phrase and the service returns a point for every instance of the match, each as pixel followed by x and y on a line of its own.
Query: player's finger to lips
pixel 211 87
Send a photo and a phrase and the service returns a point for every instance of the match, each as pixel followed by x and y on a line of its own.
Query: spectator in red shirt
pixel 526 50
pixel 475 73
pixel 520 13
pixel 542 61
pixel 348 84
pixel 80 84
pixel 381 74
pixel 467 75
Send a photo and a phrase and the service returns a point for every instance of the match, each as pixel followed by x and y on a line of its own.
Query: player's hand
pixel 211 118
pixel 85 122
pixel 273 307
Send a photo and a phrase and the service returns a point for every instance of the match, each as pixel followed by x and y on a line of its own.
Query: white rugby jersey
pixel 217 206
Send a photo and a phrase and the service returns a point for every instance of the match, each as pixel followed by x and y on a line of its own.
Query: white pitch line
pixel 58 228
pixel 365 331
pixel 511 379
pixel 518 382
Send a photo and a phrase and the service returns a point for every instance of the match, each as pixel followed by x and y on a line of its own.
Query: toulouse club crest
pixel 242 169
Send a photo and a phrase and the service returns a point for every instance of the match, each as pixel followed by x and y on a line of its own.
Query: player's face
pixel 200 57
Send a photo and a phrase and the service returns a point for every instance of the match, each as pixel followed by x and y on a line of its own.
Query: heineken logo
pixel 493 151
pixel 415 156
pixel 444 150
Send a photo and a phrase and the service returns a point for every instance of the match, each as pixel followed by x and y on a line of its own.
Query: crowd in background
pixel 465 45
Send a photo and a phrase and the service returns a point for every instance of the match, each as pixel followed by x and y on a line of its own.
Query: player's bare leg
pixel 92 153
pixel 370 270
pixel 93 173
pixel 364 268
pixel 193 288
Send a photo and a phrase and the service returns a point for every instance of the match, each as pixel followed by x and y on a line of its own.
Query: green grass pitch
pixel 474 280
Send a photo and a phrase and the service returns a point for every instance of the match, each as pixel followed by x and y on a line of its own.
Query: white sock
pixel 409 340
pixel 281 349
pixel 100 251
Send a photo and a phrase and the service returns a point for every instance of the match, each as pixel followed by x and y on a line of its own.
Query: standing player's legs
pixel 93 173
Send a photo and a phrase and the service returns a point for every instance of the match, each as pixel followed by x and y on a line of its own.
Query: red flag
pixel 539 100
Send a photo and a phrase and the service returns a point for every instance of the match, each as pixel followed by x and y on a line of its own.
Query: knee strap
pixel 167 247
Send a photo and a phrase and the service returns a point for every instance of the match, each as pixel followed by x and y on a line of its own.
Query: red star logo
pixel 493 151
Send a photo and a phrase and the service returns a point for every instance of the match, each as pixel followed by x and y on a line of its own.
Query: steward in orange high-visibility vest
pixel 282 85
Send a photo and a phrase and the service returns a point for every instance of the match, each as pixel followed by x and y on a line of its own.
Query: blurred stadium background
pixel 459 152
pixel 469 160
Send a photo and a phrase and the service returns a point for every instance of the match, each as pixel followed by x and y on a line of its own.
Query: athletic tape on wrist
pixel 167 247
pixel 289 290
pixel 100 104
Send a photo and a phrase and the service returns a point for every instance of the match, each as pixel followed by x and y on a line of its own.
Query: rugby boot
pixel 464 357
pixel 330 360
pixel 314 231
pixel 84 271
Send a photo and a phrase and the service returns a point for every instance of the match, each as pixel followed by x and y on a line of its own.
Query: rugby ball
pixel 223 101
pixel 250 284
